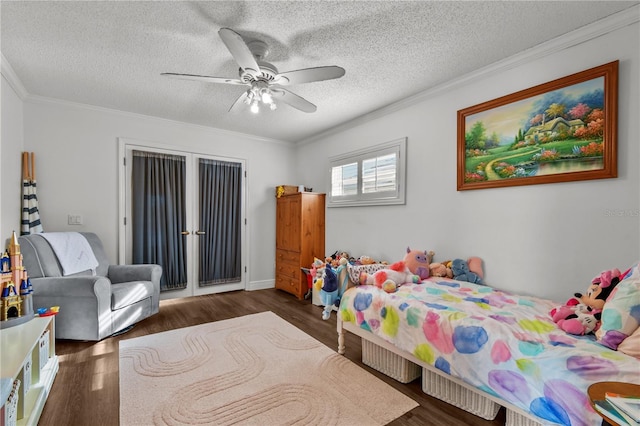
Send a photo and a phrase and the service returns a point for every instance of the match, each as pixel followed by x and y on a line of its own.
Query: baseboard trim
pixel 261 285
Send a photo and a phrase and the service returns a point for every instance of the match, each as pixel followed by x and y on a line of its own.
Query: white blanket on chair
pixel 73 251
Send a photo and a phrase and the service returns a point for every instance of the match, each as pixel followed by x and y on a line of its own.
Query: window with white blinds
pixel 372 176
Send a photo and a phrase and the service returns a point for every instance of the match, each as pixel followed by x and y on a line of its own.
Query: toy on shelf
pixel 16 291
pixel 47 312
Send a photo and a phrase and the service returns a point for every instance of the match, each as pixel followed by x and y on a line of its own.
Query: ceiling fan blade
pixel 239 50
pixel 310 74
pixel 204 78
pixel 294 100
pixel 239 102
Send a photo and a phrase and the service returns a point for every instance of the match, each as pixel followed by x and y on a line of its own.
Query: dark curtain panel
pixel 220 220
pixel 158 207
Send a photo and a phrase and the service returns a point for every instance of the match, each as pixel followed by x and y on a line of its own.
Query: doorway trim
pixel 128 143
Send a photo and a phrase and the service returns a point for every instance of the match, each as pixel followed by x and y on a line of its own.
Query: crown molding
pixel 15 82
pixel 12 78
pixel 35 99
pixel 573 38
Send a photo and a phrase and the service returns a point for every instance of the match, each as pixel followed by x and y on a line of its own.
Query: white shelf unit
pixel 26 344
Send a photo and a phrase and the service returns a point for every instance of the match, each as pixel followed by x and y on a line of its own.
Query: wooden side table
pixel 597 393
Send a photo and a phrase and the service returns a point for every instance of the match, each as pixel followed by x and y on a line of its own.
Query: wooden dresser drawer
pixel 288 269
pixel 290 285
pixel 288 256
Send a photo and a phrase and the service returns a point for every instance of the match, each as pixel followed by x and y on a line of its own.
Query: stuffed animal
pixel 600 289
pixel 582 313
pixel 333 286
pixel 390 278
pixel 461 272
pixel 575 318
pixel 418 262
pixel 475 266
pixel 564 311
pixel 580 323
pixel 441 269
pixel 366 260
pixel 331 257
pixel 335 258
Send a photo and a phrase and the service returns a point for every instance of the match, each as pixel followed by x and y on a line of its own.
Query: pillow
pixel 631 345
pixel 634 271
pixel 621 313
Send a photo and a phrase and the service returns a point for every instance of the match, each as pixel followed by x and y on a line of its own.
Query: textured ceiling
pixel 111 53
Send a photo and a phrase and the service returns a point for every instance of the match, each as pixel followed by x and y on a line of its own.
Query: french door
pixel 186 212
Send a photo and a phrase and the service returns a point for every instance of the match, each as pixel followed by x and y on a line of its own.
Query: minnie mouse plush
pixel 581 314
pixel 581 321
pixel 600 289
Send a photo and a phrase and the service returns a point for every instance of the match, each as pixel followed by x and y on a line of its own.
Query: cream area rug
pixel 256 370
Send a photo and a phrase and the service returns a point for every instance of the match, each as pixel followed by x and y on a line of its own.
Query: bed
pixel 481 348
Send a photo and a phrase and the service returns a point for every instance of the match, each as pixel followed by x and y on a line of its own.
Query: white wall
pixel 77 170
pixel 11 162
pixel 545 240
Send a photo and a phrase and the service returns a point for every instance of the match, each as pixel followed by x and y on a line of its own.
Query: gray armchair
pixel 92 307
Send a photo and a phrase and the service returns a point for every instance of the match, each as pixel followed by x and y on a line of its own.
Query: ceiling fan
pixel 263 79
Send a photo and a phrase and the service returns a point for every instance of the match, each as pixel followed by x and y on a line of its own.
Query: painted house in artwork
pixel 551 129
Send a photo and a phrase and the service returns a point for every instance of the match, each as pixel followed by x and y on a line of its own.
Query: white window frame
pixel 396 196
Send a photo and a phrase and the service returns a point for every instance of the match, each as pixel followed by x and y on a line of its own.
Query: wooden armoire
pixel 299 238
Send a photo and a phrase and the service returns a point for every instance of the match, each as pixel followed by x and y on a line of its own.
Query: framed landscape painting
pixel 560 131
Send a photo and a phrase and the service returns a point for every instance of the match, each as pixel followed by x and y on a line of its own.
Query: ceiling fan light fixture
pixel 255 108
pixel 266 96
pixel 257 94
pixel 262 78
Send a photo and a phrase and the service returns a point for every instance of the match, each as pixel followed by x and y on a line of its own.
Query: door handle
pixel 185 232
pixel 199 232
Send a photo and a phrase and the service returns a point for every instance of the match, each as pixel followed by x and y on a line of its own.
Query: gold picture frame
pixel 560 131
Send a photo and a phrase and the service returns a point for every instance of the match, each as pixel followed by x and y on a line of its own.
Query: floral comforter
pixel 501 343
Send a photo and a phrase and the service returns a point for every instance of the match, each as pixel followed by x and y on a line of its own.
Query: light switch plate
pixel 74 219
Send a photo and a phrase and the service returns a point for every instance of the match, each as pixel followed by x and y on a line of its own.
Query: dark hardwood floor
pixel 86 389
